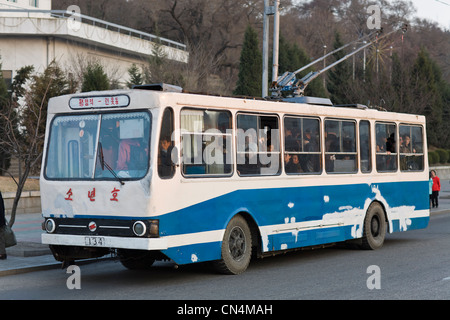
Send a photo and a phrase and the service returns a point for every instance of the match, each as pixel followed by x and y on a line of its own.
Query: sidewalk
pixel 29 254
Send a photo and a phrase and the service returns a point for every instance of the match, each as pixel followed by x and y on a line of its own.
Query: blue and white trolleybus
pixel 154 173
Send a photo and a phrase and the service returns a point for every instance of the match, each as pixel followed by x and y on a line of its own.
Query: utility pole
pixel 265 69
pixel 270 11
pixel 276 39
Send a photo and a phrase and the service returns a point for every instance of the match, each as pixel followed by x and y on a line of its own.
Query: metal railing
pixel 62 14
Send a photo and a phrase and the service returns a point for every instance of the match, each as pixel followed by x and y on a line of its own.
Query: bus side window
pixel 340 146
pixel 258 145
pixel 411 148
pixel 206 142
pixel 301 145
pixel 364 146
pixel 166 169
pixel 386 148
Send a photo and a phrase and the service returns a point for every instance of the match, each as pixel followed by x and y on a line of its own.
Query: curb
pixel 49 266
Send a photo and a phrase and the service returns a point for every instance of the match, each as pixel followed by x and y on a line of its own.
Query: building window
pixel 34 3
pixel 7 77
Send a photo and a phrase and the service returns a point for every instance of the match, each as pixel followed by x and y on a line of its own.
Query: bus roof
pixel 149 99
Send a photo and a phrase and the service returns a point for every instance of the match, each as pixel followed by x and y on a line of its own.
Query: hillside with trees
pixel 405 72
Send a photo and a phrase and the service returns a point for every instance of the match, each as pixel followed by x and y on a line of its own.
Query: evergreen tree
pixel 161 69
pixel 135 76
pixel 9 108
pixel 95 78
pixel 250 66
pixel 400 85
pixel 427 100
pixel 292 58
pixel 339 77
pixel 51 83
pixel 430 97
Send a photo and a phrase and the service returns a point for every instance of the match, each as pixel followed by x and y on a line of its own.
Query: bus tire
pixel 236 247
pixel 374 227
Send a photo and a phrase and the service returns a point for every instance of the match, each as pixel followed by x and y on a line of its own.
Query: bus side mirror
pixel 174 157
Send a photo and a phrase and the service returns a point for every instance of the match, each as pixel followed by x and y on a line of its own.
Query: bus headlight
pixel 139 228
pixel 50 225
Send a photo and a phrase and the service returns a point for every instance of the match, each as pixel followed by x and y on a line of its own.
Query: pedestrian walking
pixel 430 188
pixel 2 229
pixel 435 189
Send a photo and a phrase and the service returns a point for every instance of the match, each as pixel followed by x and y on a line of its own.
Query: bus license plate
pixel 94 241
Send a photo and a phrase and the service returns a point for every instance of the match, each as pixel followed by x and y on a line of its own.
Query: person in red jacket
pixel 435 189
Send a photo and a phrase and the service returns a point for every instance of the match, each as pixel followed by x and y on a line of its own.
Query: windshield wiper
pixel 104 164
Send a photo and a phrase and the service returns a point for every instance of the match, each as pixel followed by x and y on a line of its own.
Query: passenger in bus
pixel 131 155
pixel 309 142
pixel 290 143
pixel 381 152
pixel 294 165
pixel 331 145
pixel 381 143
pixel 287 160
pixel 165 168
pixel 309 161
pixel 391 158
pixel 390 144
pixel 110 143
pixel 405 144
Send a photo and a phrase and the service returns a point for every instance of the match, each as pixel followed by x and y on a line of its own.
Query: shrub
pixel 443 155
pixel 433 157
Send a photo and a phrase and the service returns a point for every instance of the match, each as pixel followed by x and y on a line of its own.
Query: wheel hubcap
pixel 375 226
pixel 237 243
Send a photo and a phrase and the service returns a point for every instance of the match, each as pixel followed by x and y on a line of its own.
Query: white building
pixel 32 34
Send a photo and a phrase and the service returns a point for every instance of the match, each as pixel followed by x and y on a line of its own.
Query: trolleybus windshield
pixel 76 141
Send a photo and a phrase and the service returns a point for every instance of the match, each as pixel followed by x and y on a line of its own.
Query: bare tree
pixel 28 150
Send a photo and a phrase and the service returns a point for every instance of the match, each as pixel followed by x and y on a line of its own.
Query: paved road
pixel 412 265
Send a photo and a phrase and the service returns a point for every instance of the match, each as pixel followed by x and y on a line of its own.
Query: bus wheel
pixel 236 247
pixel 135 259
pixel 374 227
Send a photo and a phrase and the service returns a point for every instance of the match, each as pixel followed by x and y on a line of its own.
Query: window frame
pixel 412 153
pixel 369 147
pixel 319 144
pixel 228 136
pixel 258 115
pixel 100 115
pixel 172 144
pixel 392 155
pixel 341 146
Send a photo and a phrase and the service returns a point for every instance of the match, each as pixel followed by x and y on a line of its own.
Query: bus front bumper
pixel 105 241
